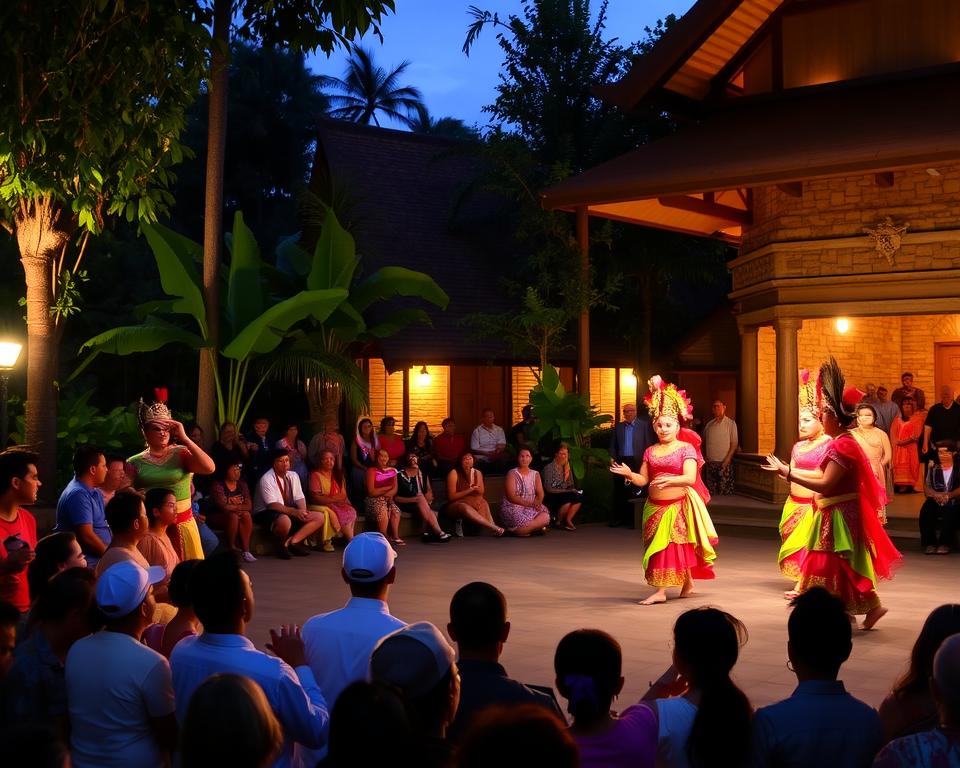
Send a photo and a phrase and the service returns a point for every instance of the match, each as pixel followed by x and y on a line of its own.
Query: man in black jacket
pixel 630 438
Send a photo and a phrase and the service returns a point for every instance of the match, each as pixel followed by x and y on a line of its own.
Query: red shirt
pixel 13 586
pixel 449 447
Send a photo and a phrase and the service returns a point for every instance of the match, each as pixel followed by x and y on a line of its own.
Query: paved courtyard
pixel 592 578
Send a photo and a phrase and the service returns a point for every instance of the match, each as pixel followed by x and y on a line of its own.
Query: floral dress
pixel 525 486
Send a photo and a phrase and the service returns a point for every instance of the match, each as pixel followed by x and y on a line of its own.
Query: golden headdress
pixel 158 409
pixel 666 400
pixel 808 393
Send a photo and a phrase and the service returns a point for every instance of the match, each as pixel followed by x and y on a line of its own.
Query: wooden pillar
pixel 583 334
pixel 747 398
pixel 405 430
pixel 787 385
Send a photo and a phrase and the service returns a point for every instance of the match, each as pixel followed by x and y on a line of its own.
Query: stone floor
pixel 592 578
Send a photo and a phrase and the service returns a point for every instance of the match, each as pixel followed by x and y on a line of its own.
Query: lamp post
pixel 9 354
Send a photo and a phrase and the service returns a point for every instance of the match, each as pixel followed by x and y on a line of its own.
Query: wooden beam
pixel 721 81
pixel 707 208
pixel 792 188
pixel 884 179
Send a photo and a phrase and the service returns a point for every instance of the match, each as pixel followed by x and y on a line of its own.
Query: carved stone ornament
pixel 887 237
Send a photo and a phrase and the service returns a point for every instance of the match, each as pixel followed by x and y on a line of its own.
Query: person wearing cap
pixel 119 692
pixel 223 602
pixel 419 661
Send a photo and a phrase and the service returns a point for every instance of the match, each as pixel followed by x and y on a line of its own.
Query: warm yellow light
pixel 843 325
pixel 628 380
pixel 9 353
pixel 423 379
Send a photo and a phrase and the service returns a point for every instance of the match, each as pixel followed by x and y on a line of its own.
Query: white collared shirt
pixel 484 439
pixel 268 491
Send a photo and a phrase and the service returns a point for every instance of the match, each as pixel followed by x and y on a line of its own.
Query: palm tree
pixel 449 127
pixel 367 89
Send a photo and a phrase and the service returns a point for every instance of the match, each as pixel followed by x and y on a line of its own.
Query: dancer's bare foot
pixel 873 616
pixel 660 596
pixel 687 588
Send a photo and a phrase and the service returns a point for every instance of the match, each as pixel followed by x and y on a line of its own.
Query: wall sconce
pixel 629 380
pixel 9 354
pixel 423 378
pixel 842 324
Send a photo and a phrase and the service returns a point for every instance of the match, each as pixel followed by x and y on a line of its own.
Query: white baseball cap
pixel 414 658
pixel 124 586
pixel 368 558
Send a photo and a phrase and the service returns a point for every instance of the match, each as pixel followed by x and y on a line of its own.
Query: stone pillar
pixel 747 400
pixel 787 384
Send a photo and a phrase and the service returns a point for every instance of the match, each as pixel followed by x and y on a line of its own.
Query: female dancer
pixel 797 517
pixel 847 548
pixel 678 534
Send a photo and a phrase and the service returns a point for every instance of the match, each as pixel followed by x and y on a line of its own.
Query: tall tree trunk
pixel 41 235
pixel 213 210
pixel 644 337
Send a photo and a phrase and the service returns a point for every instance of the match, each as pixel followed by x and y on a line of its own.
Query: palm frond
pixel 296 366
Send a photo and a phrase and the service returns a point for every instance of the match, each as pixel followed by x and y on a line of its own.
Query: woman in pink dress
pixel 381 492
pixel 905 434
pixel 522 511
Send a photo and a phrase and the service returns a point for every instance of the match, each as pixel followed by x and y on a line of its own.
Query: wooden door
pixel 947 370
pixel 473 388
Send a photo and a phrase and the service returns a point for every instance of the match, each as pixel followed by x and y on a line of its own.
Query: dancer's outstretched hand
pixel 621 469
pixel 773 464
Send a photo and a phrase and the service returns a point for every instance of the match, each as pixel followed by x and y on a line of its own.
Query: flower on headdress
pixel 161 394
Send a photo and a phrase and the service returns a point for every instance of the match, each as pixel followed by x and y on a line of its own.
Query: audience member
pixel 940 746
pixel 525 736
pixel 329 489
pixel 906 433
pixel 195 433
pixel 9 621
pixel 415 495
pixel 119 693
pixel 117 478
pixel 296 450
pixel 229 722
pixel 588 663
pixel 870 395
pixel 521 433
pixel 155 546
pixel 421 444
pixel 448 446
pixel 260 447
pixel 370 725
pixel 381 488
pixel 184 623
pixel 910 707
pixel 479 627
pixel 390 440
pixel 886 409
pixel 230 449
pixel 419 661
pixel 561 496
pixel 64 613
pixel 231 510
pixel 465 499
pixel 18 528
pixel 363 454
pixel 941 508
pixel 908 390
pixel 487 442
pixel 127 518
pixel 875 444
pixel 224 603
pixel 720 441
pixel 55 553
pixel 630 438
pixel 820 724
pixel 942 422
pixel 280 507
pixel 522 511
pixel 80 508
pixel 329 439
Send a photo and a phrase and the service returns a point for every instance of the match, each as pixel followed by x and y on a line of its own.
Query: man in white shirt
pixel 280 507
pixel 338 644
pixel 119 692
pixel 488 441
pixel 223 601
pixel 720 442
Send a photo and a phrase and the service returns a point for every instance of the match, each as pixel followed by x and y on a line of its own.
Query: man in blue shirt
pixel 80 507
pixel 630 438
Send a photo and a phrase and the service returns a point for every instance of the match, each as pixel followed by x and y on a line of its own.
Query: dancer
pixel 678 534
pixel 847 548
pixel 807 454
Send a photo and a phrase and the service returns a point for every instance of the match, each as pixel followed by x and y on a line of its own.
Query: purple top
pixel 631 743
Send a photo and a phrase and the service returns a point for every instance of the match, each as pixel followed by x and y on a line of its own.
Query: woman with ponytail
pixel 588 665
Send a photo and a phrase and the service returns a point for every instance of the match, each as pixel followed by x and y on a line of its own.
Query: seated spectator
pixel 230 510
pixel 9 621
pixel 329 489
pixel 163 637
pixel 18 528
pixel 391 440
pixel 260 444
pixel 936 747
pixel 448 446
pixel 380 506
pixel 520 433
pixel 517 737
pixel 118 691
pixel 704 708
pixel 487 442
pixel 560 492
pixel 208 539
pixel 296 450
pixel 910 706
pixel 421 444
pixel 155 546
pixel 117 479
pixel 479 627
pixel 906 432
pixel 229 449
pixel 55 553
pixel 229 722
pixel 224 603
pixel 328 440
pixel 415 495
pixel 465 499
pixel 522 511
pixel 588 663
pixel 195 433
pixel 941 508
pixel 80 508
pixel 64 613
pixel 418 660
pixel 280 507
pixel 371 725
pixel 363 454
pixel 820 724
pixel 128 520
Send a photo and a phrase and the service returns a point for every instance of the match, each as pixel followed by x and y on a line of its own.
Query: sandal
pixel 569 527
pixel 398 542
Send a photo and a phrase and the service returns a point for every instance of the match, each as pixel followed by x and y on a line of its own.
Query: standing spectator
pixel 886 409
pixel 942 422
pixel 465 499
pixel 230 510
pixel 630 438
pixel 876 447
pixel 448 446
pixel 522 511
pixel 415 495
pixel 363 454
pixel 908 390
pixel 155 546
pixel 871 394
pixel 720 442
pixel 18 528
pixel 941 508
pixel 296 450
pixel 380 506
pixel 117 478
pixel 421 444
pixel 328 440
pixel 56 553
pixel 127 517
pixel 390 440
pixel 820 724
pixel 224 603
pixel 119 692
pixel 9 620
pixel 164 637
pixel 229 449
pixel 260 445
pixel 280 507
pixel 560 492
pixel 906 433
pixel 479 627
pixel 80 508
pixel 487 442
pixel 329 489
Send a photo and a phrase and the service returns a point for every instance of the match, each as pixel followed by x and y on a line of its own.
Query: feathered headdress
pixel 833 396
pixel 666 400
pixel 808 394
pixel 156 410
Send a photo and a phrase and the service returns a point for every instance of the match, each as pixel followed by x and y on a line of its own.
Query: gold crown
pixel 666 400
pixel 808 393
pixel 153 412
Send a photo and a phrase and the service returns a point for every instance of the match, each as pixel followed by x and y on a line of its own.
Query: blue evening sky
pixel 430 34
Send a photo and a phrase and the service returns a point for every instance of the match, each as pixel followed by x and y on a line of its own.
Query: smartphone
pixel 14 542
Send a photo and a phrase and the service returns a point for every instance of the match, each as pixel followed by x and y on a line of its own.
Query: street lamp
pixel 9 354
